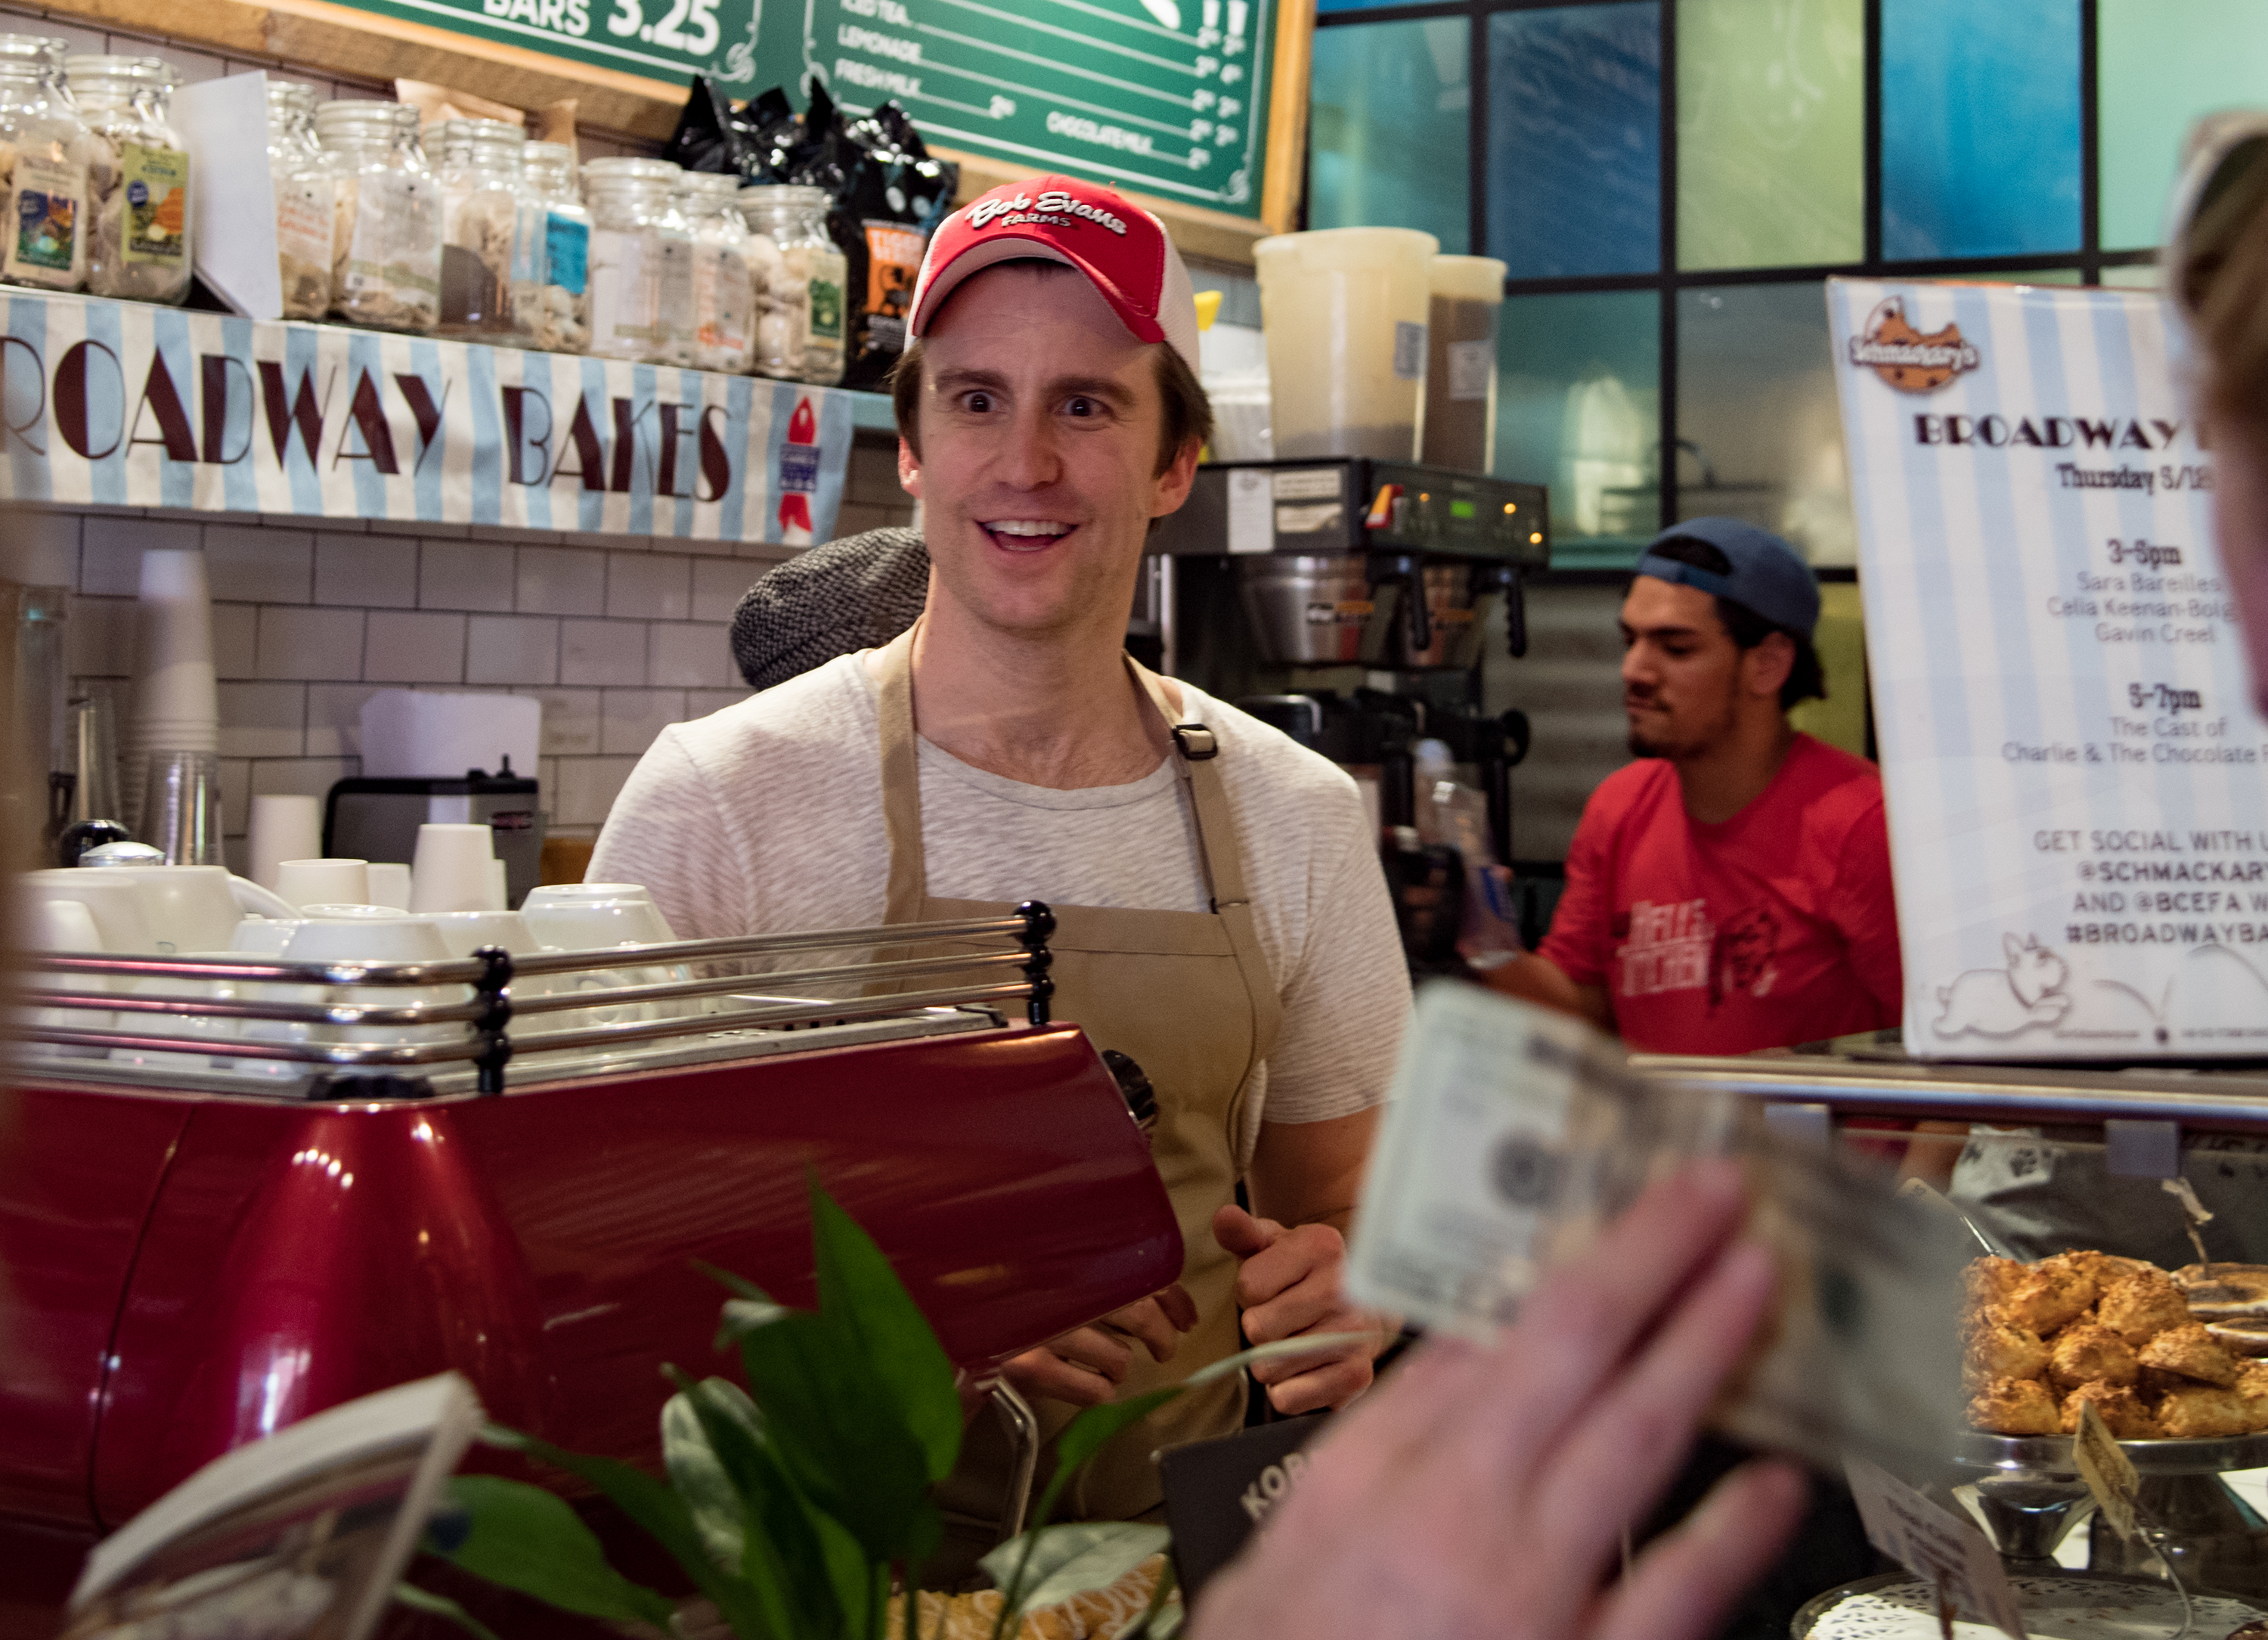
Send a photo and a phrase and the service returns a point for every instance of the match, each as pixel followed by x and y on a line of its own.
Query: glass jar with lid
pixel 724 292
pixel 43 155
pixel 303 187
pixel 479 227
pixel 641 268
pixel 385 247
pixel 800 323
pixel 551 288
pixel 137 178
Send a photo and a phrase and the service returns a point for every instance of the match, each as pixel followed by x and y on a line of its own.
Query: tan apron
pixel 1189 997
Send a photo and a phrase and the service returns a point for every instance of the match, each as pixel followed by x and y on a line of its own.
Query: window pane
pixel 2141 276
pixel 1758 433
pixel 1388 142
pixel 1579 397
pixel 2159 64
pixel 1980 127
pixel 1574 158
pixel 1770 123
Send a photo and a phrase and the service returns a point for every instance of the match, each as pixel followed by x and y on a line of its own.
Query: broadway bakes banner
pixel 2078 785
pixel 123 404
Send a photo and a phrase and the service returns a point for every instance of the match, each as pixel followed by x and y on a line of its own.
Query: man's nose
pixel 1032 460
pixel 1637 669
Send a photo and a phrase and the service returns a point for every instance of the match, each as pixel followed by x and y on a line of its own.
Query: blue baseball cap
pixel 1767 575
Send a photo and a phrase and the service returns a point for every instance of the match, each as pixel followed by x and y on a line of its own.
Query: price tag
pixel 2104 1467
pixel 1933 1543
pixel 1251 511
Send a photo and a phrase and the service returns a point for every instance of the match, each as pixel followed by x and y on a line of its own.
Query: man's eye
pixel 979 403
pixel 1079 405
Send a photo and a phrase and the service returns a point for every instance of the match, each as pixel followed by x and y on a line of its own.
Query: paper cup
pixel 282 827
pixel 307 882
pixel 389 883
pixel 452 868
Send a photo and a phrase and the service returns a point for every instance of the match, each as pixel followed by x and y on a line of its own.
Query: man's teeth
pixel 1028 527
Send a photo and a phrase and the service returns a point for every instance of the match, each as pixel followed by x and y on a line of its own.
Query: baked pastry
pixel 2191 1352
pixel 2141 1304
pixel 2086 1353
pixel 1987 1281
pixel 2015 1407
pixel 2252 1389
pixel 2123 1411
pixel 1995 1349
pixel 2203 1412
pixel 2105 1269
pixel 2046 1296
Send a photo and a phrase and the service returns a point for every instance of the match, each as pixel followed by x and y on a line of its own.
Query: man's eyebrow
pixel 1659 632
pixel 965 377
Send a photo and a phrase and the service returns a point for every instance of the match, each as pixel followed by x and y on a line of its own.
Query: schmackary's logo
pixel 1053 207
pixel 1903 356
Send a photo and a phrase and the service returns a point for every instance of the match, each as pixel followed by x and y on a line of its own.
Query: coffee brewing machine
pixel 1348 601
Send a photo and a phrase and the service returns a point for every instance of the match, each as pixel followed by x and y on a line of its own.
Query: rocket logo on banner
pixel 2076 777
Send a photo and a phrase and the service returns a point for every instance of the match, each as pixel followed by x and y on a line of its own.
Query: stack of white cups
pixel 176 697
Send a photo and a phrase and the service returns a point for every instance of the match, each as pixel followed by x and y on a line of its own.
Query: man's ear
pixel 1174 484
pixel 1765 669
pixel 909 470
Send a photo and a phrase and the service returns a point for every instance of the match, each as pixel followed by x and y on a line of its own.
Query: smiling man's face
pixel 1040 417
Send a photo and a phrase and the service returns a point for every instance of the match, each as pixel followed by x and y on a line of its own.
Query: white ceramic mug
pixel 184 908
pixel 305 882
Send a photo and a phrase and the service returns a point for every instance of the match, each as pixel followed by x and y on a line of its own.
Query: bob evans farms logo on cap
pixel 1905 357
pixel 1052 206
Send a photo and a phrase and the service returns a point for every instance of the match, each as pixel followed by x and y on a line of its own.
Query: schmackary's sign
pixel 118 404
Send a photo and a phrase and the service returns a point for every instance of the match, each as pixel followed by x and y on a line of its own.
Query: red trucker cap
pixel 1123 251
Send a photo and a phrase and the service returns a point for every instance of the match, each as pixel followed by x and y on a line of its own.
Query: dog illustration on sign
pixel 2006 1001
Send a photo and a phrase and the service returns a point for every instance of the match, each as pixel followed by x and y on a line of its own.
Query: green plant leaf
pixel 860 1292
pixel 663 1517
pixel 742 1315
pixel 526 1539
pixel 785 1558
pixel 1072 1560
pixel 837 1424
pixel 699 1479
pixel 441 1605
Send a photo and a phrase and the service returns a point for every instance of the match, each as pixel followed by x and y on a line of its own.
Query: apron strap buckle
pixel 1197 742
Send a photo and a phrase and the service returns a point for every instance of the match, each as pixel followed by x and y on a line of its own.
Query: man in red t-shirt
pixel 1730 889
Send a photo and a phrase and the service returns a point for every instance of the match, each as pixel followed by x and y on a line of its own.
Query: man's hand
pixel 1484 1492
pixel 1291 1281
pixel 1086 1366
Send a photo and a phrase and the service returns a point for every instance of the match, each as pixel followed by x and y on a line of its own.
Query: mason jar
pixel 724 292
pixel 386 251
pixel 799 327
pixel 304 188
pixel 641 266
pixel 137 178
pixel 480 228
pixel 551 283
pixel 43 164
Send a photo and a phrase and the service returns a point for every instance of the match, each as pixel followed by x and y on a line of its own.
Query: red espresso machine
pixel 466 1165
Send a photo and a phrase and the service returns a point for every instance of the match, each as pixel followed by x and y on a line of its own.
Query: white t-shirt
pixel 767 817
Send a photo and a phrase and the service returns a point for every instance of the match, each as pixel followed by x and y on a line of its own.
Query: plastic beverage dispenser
pixel 1345 310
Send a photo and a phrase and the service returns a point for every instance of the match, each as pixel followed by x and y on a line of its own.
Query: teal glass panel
pixel 1980 128
pixel 1574 157
pixel 1578 407
pixel 1770 132
pixel 1386 137
pixel 2158 65
pixel 1758 434
pixel 2141 276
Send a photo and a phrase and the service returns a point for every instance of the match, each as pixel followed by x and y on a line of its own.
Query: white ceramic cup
pixel 371 934
pixel 264 936
pixel 586 916
pixel 184 908
pixel 389 883
pixel 110 902
pixel 307 882
pixel 282 827
pixel 451 871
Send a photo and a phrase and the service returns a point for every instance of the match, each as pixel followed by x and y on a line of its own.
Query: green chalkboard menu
pixel 1168 97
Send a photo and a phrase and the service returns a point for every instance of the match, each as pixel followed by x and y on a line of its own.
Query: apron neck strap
pixel 1196 749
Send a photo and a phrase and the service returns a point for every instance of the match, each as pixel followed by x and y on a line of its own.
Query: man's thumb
pixel 1239 1233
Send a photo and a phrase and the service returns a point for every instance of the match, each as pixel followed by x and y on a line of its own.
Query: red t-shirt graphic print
pixel 1773 928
